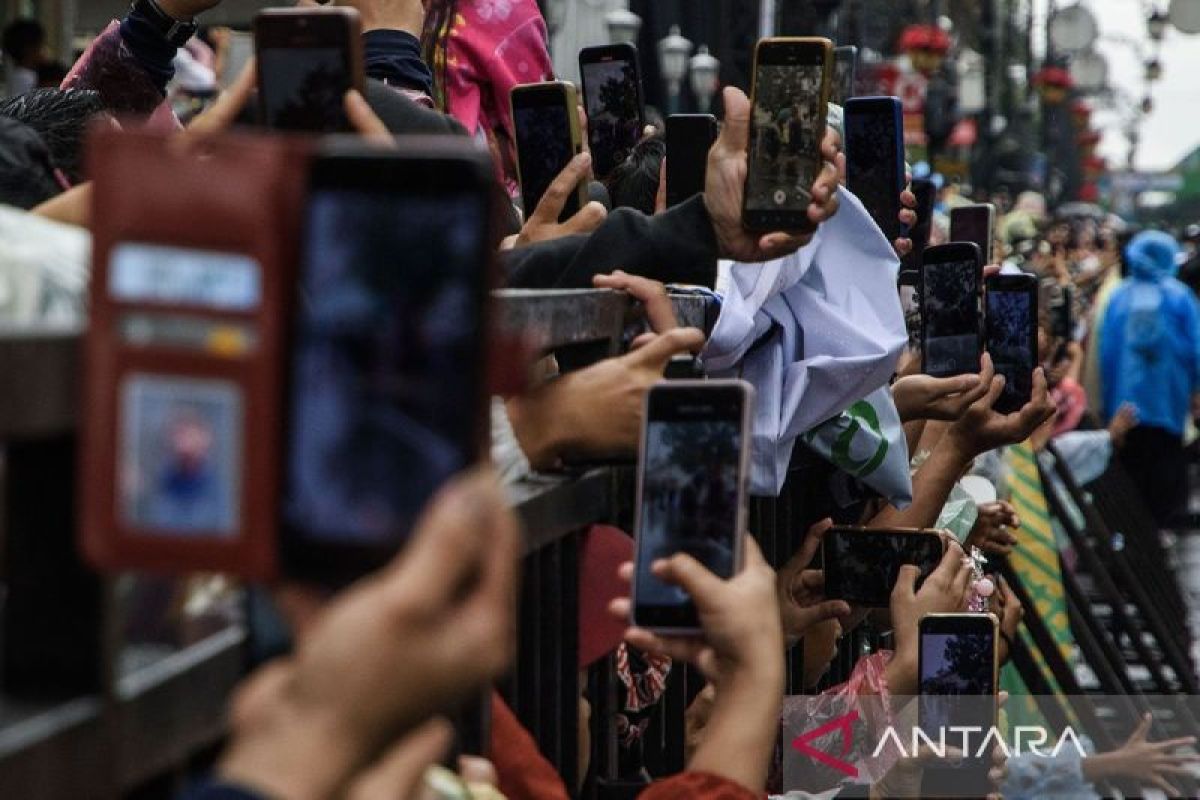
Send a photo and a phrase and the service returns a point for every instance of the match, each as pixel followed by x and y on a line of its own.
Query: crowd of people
pixel 813 319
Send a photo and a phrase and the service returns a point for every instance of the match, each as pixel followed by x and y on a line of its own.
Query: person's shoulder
pixel 402 115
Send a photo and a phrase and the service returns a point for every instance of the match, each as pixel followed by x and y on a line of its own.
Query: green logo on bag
pixel 855 418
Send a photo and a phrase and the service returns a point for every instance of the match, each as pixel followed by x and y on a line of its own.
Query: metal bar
pixel 1152 615
pixel 551 507
pixel 564 317
pixel 158 717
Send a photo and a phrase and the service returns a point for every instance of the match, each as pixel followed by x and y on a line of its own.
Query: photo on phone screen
pixel 386 345
pixel 957 671
pixel 307 59
pixel 1012 313
pixel 546 140
pixel 861 565
pixel 974 223
pixel 845 64
pixel 689 138
pixel 875 159
pixel 950 310
pixel 612 91
pixel 690 494
pixel 786 128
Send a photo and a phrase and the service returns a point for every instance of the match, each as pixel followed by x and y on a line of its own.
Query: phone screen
pixel 973 224
pixel 872 171
pixel 786 130
pixel 544 149
pixel 1012 342
pixel 950 314
pixel 689 138
pixel 383 399
pixel 303 88
pixel 690 493
pixel 861 566
pixel 957 674
pixel 614 112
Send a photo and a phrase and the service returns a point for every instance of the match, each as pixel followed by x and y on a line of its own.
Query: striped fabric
pixel 1036 559
pixel 1036 563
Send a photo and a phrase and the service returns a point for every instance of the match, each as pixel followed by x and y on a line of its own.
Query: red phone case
pixel 185 358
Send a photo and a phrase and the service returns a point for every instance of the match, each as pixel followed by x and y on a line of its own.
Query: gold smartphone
pixel 789 102
pixel 546 118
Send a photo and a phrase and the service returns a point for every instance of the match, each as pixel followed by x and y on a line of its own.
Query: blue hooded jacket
pixel 1150 338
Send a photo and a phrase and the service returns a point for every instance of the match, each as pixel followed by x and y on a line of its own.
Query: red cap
pixel 604 549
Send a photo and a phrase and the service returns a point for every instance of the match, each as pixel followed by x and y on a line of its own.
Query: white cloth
pixel 814 333
pixel 44 269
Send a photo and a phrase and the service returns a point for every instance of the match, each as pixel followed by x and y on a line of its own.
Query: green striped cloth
pixel 1036 562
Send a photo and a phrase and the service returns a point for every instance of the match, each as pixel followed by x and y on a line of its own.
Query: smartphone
pixel 385 398
pixel 548 137
pixel 926 194
pixel 874 145
pixel 845 67
pixel 861 564
pixel 975 223
pixel 951 277
pixel 691 491
pixel 908 284
pixel 1011 305
pixel 957 669
pixel 307 60
pixel 612 96
pixel 689 138
pixel 787 124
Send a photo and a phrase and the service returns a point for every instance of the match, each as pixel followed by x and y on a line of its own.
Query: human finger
pixel 554 200
pixel 906 581
pixel 222 114
pixel 679 648
pixel 657 353
pixel 687 573
pixel 735 132
pixel 585 220
pixel 450 538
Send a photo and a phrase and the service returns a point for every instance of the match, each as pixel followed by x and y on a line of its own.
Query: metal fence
pixel 84 711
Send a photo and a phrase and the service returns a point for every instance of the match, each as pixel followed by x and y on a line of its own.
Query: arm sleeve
pixel 129 65
pixel 394 57
pixel 697 786
pixel 677 246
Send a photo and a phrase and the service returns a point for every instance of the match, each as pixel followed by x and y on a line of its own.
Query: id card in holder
pixel 193 265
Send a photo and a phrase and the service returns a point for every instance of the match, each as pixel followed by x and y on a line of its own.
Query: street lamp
pixel 1185 15
pixel 1156 25
pixel 673 52
pixel 623 26
pixel 706 71
pixel 556 12
pixel 1073 29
